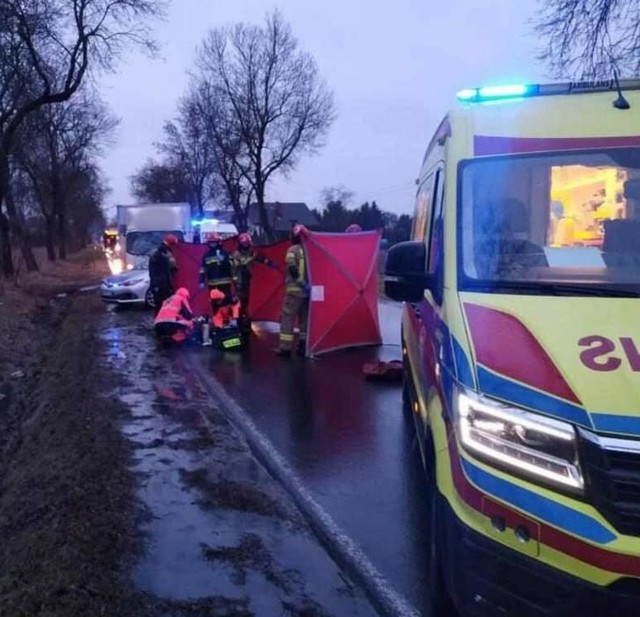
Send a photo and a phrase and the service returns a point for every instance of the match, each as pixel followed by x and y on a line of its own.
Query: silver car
pixel 131 287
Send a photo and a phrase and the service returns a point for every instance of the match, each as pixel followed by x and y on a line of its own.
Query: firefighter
pixel 228 313
pixel 216 273
pixel 162 269
pixel 296 299
pixel 174 320
pixel 353 228
pixel 243 259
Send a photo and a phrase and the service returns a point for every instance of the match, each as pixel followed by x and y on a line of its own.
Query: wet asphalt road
pixel 220 536
pixel 345 437
pixel 348 441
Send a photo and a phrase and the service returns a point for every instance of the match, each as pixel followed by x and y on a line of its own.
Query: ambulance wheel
pixel 440 602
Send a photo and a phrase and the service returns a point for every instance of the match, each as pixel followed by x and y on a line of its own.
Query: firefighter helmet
pixel 170 240
pixel 212 237
pixel 353 228
pixel 245 240
pixel 216 295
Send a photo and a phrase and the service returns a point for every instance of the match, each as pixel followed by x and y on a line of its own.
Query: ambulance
pixel 521 343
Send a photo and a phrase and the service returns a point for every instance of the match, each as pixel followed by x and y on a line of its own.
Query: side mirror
pixel 405 276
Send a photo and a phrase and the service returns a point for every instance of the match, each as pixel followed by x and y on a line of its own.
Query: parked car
pixel 131 287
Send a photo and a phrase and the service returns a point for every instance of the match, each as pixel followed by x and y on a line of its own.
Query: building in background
pixel 281 217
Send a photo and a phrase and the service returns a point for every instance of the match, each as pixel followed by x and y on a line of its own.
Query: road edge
pixel 345 552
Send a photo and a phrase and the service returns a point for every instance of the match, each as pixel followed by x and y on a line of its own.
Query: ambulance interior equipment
pixel 552 218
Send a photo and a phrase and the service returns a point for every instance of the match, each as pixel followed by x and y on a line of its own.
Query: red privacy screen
pixel 343 272
pixel 267 284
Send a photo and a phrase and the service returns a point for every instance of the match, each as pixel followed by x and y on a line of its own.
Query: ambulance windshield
pixel 551 223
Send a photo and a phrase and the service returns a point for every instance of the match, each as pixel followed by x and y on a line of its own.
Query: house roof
pixel 281 215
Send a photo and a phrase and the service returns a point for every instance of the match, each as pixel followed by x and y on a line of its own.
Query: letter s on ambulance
pixel 597 355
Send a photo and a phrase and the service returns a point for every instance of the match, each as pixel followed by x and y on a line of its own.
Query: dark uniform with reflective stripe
pixel 296 299
pixel 243 261
pixel 216 271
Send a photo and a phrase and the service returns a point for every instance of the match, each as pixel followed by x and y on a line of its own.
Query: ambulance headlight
pixel 538 448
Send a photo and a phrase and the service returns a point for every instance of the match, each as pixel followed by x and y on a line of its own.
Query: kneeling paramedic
pixel 296 299
pixel 174 320
pixel 243 259
pixel 227 311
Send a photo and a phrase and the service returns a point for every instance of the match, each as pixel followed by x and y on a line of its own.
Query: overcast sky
pixel 394 67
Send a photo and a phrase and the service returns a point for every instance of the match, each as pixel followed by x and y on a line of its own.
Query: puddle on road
pixel 217 527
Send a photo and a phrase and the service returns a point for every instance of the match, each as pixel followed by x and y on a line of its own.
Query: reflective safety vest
pixel 295 285
pixel 242 262
pixel 175 310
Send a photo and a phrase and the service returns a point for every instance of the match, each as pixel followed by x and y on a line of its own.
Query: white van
pixel 226 230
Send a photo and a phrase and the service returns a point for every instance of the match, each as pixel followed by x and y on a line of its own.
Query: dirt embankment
pixel 26 302
pixel 66 511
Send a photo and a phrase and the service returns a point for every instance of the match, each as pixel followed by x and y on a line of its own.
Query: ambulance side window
pixel 424 207
pixel 435 239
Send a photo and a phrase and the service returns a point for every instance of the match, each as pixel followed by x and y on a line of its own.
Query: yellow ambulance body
pixel 521 340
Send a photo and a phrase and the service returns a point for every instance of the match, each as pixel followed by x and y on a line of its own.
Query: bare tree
pixel 56 146
pixel 590 38
pixel 86 194
pixel 230 153
pixel 46 49
pixel 336 194
pixel 276 100
pixel 160 182
pixel 187 146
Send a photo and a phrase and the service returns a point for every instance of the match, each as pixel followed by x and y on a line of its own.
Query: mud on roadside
pixel 66 513
pixel 69 517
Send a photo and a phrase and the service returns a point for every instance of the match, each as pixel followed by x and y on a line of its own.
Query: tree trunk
pixel 28 256
pixel 264 219
pixel 6 257
pixel 21 232
pixel 62 234
pixel 59 205
pixel 51 238
pixel 12 224
pixel 239 215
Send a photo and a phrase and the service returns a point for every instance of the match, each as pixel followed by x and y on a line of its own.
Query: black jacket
pixel 216 268
pixel 162 267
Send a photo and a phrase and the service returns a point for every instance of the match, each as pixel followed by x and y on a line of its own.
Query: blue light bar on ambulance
pixel 518 91
pixel 494 93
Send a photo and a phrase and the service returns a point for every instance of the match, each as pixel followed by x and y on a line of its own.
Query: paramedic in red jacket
pixel 175 317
